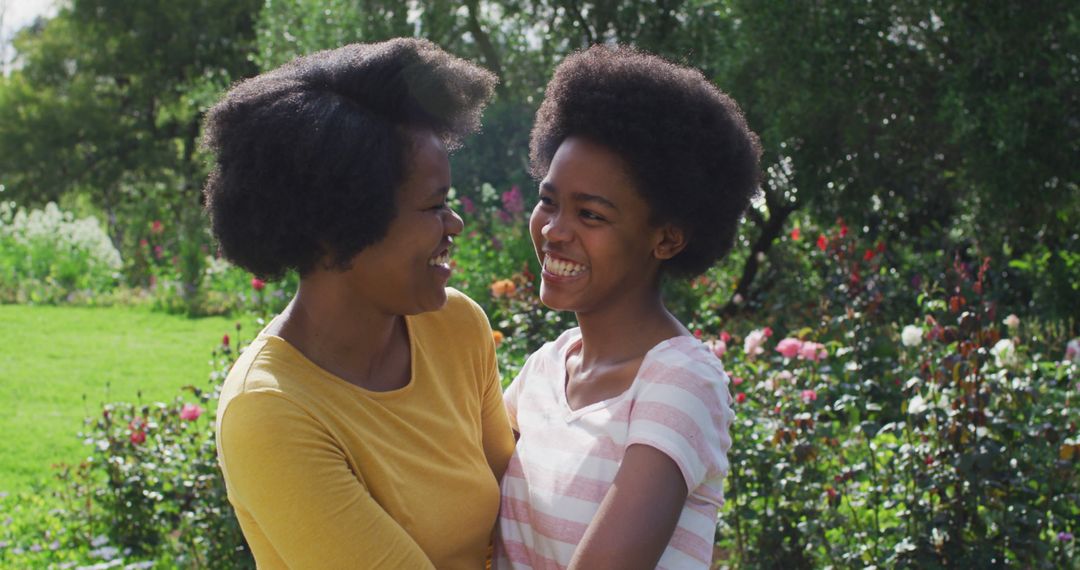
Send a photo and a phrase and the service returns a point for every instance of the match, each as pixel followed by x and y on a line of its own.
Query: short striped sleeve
pixel 683 409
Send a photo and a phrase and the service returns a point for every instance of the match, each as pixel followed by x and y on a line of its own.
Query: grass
pixel 60 364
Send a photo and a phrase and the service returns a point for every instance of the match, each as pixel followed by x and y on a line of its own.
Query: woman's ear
pixel 672 240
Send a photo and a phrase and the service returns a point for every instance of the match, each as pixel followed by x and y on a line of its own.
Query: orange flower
pixel 497 337
pixel 502 288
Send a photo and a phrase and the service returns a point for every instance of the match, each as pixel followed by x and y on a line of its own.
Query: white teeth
pixel 443 259
pixel 562 267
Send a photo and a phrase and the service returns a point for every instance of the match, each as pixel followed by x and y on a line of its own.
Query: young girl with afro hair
pixel 645 171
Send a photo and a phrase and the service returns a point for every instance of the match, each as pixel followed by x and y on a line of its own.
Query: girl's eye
pixel 589 215
pixel 441 206
pixel 546 201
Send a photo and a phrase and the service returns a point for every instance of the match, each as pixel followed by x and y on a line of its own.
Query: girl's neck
pixel 626 331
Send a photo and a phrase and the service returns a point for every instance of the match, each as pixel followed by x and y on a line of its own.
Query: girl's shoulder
pixel 684 360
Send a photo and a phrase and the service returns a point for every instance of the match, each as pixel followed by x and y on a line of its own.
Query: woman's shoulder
pixel 269 366
pixel 460 312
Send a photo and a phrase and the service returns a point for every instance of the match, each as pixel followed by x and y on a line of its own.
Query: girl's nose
pixel 553 230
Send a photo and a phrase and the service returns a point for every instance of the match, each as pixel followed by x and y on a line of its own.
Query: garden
pixel 899 316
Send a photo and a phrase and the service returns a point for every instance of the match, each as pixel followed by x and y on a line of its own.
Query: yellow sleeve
pixel 497 436
pixel 308 505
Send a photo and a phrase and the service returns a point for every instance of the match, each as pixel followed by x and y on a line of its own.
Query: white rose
pixel 917 405
pixel 1012 321
pixel 911 336
pixel 1004 353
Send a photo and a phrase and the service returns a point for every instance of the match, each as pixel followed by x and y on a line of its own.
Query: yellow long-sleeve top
pixel 324 474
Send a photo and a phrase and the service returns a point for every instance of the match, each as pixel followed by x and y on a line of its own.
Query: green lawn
pixel 53 357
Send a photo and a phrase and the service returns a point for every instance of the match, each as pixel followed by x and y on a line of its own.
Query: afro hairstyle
pixel 309 156
pixel 685 144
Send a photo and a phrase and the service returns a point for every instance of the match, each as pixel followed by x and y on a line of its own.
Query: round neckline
pixel 307 362
pixel 573 414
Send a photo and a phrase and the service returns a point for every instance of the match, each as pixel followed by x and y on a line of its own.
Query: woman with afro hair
pixel 364 426
pixel 645 171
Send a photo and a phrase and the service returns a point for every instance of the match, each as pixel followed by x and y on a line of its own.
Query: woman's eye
pixel 546 201
pixel 589 215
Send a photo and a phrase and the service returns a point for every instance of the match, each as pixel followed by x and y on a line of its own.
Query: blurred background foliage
pixel 943 126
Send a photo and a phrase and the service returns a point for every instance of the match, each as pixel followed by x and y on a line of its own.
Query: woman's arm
pixel 309 507
pixel 638 515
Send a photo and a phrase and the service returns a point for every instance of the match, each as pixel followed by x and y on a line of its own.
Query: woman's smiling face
pixel 406 271
pixel 591 231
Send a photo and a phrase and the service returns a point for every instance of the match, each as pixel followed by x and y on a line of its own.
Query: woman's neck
pixel 343 334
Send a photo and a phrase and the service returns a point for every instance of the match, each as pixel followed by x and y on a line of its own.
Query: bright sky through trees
pixel 14 15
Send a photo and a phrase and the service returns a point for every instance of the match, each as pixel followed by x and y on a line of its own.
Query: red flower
pixel 257 284
pixel 225 341
pixel 698 333
pixel 735 381
pixel 955 303
pixel 881 247
pixel 831 492
pixel 795 234
pixel 138 430
pixel 143 243
pixel 822 243
pixel 868 255
pixel 740 397
pixel 724 336
pixel 158 251
pixel 156 227
pixel 843 229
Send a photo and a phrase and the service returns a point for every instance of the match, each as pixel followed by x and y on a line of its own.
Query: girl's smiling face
pixel 592 233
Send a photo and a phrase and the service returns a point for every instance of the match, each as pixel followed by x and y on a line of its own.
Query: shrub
pixel 950 448
pixel 48 256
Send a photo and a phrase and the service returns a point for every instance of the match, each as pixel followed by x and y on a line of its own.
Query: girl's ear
pixel 672 240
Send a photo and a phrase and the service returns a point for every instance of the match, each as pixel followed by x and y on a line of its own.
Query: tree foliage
pixel 932 123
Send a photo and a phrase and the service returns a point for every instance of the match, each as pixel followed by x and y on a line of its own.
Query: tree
pixel 109 101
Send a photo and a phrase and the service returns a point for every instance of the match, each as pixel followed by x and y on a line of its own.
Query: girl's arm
pixel 638 515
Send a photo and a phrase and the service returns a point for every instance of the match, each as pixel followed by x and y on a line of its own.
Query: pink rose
pixel 752 346
pixel 735 381
pixel 190 412
pixel 789 347
pixel 740 397
pixel 808 396
pixel 138 437
pixel 812 351
pixel 718 347
pixel 257 284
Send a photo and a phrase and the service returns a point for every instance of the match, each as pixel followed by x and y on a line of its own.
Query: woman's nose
pixel 453 224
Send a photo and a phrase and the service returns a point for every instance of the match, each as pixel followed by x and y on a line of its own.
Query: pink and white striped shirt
pixel 566 459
